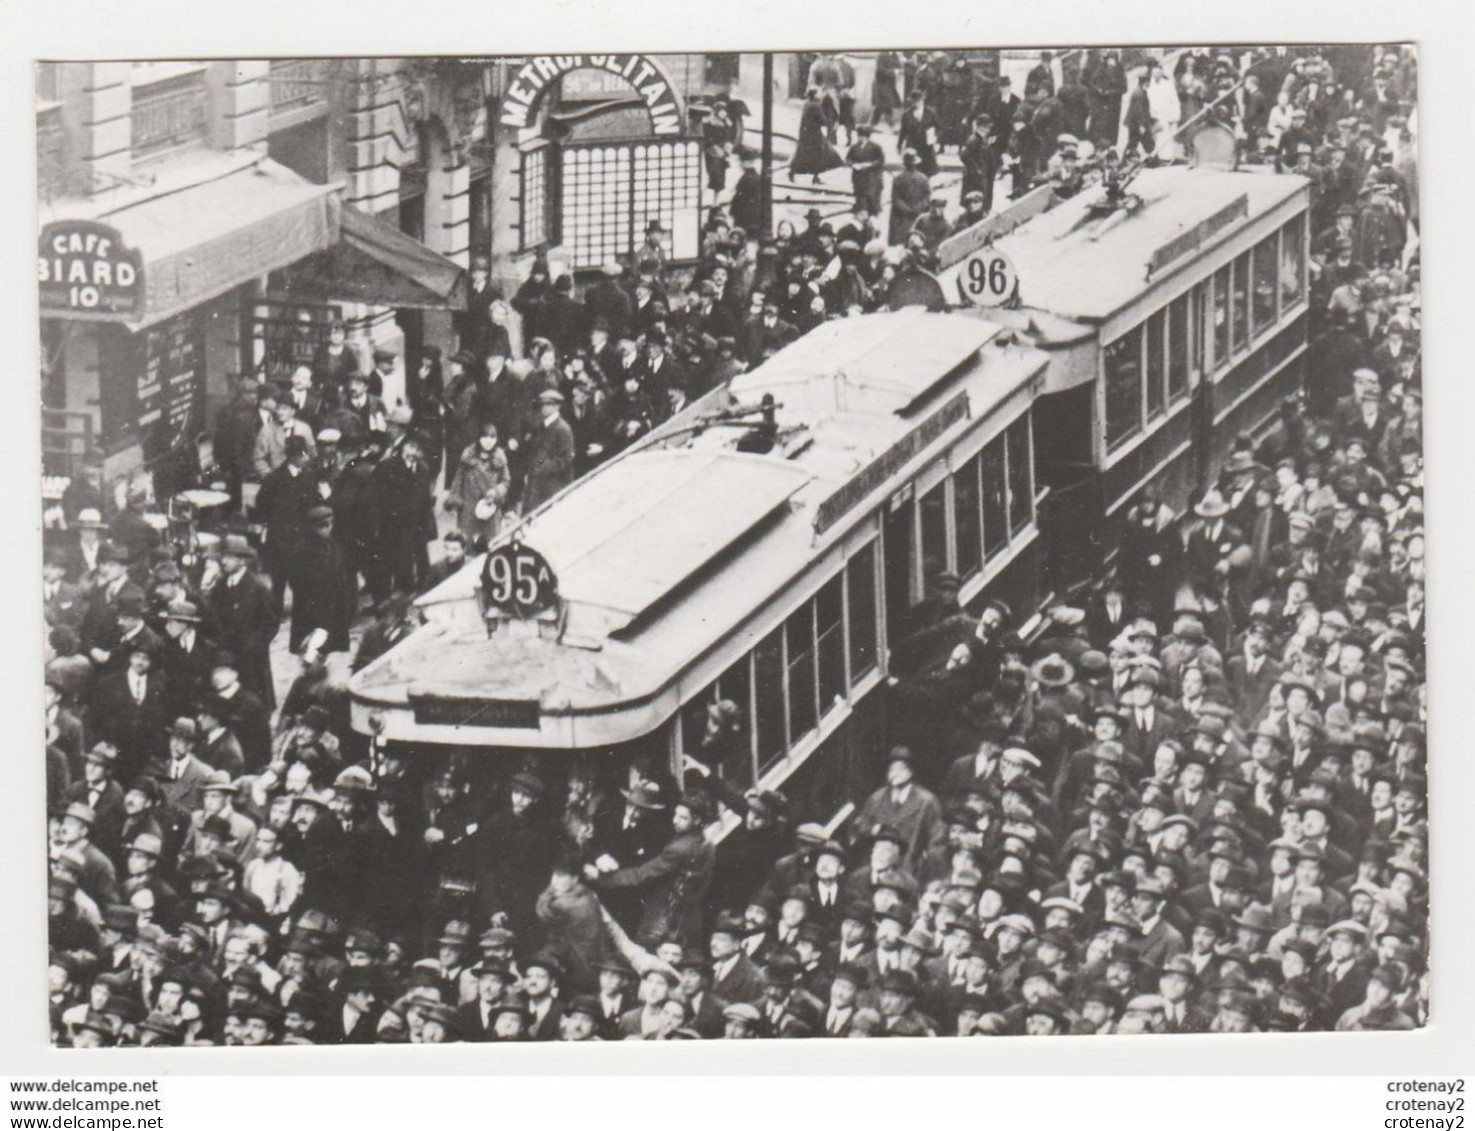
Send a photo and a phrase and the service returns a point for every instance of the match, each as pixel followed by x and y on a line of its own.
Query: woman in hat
pixel 478 493
pixel 813 154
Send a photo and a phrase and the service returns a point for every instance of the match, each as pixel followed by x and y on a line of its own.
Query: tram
pixel 763 548
pixel 1174 311
pixel 767 546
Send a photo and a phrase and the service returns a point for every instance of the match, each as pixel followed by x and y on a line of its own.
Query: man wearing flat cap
pixel 549 452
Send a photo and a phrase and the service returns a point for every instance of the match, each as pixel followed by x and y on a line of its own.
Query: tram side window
pixel 1123 387
pixel 1239 310
pixel 1293 262
pixel 934 532
pixel 1021 494
pixel 1156 363
pixel 730 753
pixel 768 699
pixel 860 585
pixel 966 518
pixel 995 499
pixel 1221 318
pixel 1178 348
pixel 799 635
pixel 1263 307
pixel 829 627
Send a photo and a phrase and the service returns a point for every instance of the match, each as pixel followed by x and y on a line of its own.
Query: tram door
pixel 900 534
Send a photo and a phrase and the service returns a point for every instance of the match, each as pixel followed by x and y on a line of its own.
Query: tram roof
pixel 1076 266
pixel 722 529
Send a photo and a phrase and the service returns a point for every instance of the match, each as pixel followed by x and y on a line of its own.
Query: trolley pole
pixel 767 171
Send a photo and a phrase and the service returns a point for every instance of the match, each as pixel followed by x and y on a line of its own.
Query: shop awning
pixel 200 242
pixel 375 262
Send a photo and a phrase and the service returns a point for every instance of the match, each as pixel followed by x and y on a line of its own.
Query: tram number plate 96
pixel 518 580
pixel 987 277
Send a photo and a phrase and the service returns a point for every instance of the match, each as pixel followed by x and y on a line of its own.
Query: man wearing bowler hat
pixel 903 805
pixel 324 592
pixel 241 604
pixel 515 849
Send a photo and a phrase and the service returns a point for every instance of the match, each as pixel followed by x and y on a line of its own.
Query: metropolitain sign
pixel 534 79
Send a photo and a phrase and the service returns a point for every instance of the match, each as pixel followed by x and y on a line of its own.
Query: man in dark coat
pixel 980 163
pixel 287 493
pixel 242 605
pixel 747 203
pixel 606 303
pixel 672 885
pixel 323 591
pixel 241 710
pixel 128 710
pixel 563 317
pixel 911 193
pixel 867 163
pixel 236 426
pixel 550 453
pixel 402 485
pixel 516 848
pixel 188 656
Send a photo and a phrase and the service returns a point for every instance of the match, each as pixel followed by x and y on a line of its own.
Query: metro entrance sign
pixel 85 271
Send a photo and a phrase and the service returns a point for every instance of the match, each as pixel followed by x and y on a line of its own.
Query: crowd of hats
pixel 1039 859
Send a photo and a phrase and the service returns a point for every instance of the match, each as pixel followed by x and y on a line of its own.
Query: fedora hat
pixel 1212 505
pixel 1053 671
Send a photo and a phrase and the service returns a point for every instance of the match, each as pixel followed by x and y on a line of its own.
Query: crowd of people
pixel 1333 114
pixel 1193 801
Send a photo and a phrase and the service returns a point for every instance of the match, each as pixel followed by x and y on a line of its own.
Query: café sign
pixel 85 270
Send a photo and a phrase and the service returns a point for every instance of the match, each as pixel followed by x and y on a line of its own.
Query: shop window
pixel 799 643
pixel 533 190
pixel 1123 387
pixel 829 626
pixel 995 499
pixel 595 221
pixel 668 187
pixel 860 599
pixel 1239 304
pixel 1156 363
pixel 934 532
pixel 1021 492
pixel 967 519
pixel 1178 348
pixel 1262 306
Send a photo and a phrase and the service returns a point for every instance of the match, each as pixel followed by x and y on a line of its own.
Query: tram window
pixel 1156 363
pixel 1221 318
pixel 1021 497
pixel 799 634
pixel 1178 348
pixel 1293 262
pixel 1263 308
pixel 829 625
pixel 995 494
pixel 934 532
pixel 966 518
pixel 730 751
pixel 1123 387
pixel 768 699
pixel 1239 309
pixel 860 581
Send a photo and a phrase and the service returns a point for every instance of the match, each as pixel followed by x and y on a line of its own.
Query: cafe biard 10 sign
pixel 85 270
